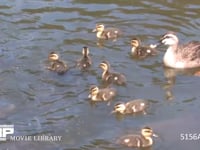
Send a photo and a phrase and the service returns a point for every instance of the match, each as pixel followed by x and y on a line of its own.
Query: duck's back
pixel 110 33
pixel 60 67
pixel 118 78
pixel 144 52
pixel 84 63
pixel 190 54
pixel 107 93
pixel 136 106
pixel 130 140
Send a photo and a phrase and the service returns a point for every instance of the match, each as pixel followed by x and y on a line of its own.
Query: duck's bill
pixel 155 45
pixel 94 30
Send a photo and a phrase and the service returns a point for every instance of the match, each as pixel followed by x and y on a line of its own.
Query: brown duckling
pixel 104 94
pixel 106 33
pixel 139 51
pixel 131 107
pixel 85 62
pixel 57 65
pixel 111 77
pixel 144 139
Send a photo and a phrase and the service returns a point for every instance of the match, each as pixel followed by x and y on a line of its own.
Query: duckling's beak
pixel 155 135
pixel 100 65
pixel 112 112
pixel 94 30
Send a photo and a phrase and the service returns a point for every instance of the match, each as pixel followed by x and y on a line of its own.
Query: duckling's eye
pixel 148 131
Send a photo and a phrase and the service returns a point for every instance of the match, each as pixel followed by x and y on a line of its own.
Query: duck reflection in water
pixel 170 75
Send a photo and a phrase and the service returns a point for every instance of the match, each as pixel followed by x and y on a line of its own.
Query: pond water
pixel 38 101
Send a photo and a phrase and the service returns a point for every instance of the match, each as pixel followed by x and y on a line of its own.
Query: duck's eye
pixel 168 37
pixel 148 128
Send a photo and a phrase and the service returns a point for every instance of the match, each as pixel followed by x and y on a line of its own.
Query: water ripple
pixel 47 103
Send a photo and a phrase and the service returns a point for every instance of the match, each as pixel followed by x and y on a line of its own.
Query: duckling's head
pixel 85 51
pixel 53 56
pixel 135 42
pixel 169 39
pixel 99 28
pixel 94 90
pixel 148 132
pixel 104 65
pixel 119 107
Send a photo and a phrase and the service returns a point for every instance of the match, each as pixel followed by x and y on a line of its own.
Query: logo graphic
pixel 6 130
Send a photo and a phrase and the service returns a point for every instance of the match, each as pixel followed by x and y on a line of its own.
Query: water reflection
pixel 171 74
pixel 39 101
pixel 101 144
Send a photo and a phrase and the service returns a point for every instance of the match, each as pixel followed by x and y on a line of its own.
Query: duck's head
pixel 169 39
pixel 148 132
pixel 104 65
pixel 53 56
pixel 99 28
pixel 119 107
pixel 85 51
pixel 135 42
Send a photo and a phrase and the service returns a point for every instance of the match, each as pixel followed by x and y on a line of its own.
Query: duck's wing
pixel 60 67
pixel 145 51
pixel 108 94
pixel 82 64
pixel 119 78
pixel 131 107
pixel 112 33
pixel 87 62
pixel 191 51
pixel 130 140
pixel 104 95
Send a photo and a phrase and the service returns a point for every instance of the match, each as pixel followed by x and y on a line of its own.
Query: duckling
pixel 111 77
pixel 106 33
pixel 85 62
pixel 104 94
pixel 140 51
pixel 57 65
pixel 180 56
pixel 136 140
pixel 131 107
